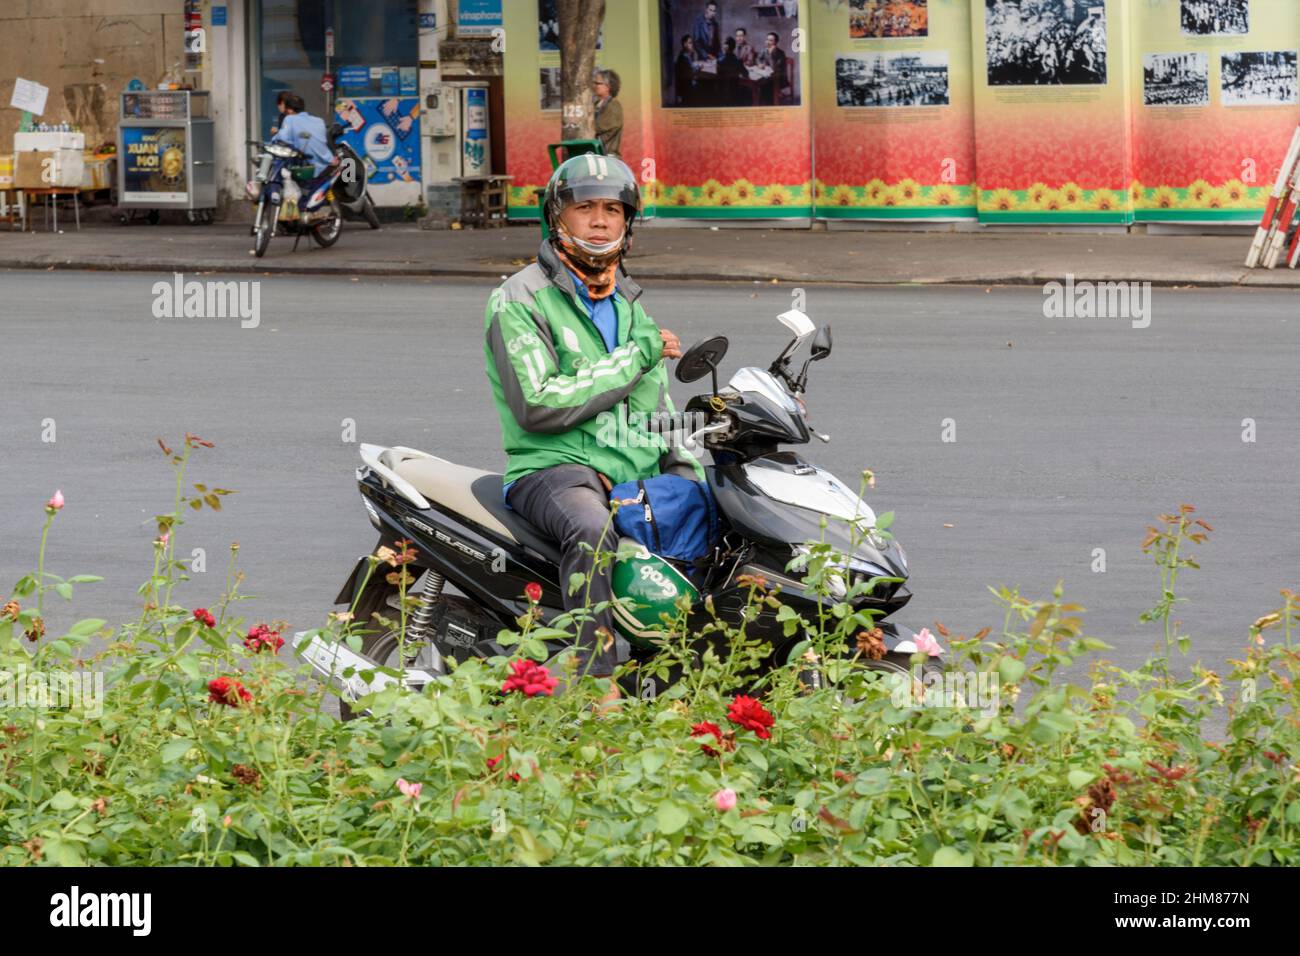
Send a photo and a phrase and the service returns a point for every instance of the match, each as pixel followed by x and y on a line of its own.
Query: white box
pixel 43 141
pixel 44 169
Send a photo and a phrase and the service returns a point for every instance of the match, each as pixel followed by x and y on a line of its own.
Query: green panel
pixel 1199 215
pixel 1118 217
pixel 895 212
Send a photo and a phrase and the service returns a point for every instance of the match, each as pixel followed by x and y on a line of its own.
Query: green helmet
pixel 653 585
pixel 590 176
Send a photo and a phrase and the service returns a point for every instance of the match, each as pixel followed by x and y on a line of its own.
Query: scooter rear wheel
pixel 326 233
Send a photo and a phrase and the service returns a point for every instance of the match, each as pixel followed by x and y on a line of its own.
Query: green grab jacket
pixel 562 397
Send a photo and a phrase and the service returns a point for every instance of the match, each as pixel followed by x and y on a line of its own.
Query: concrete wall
pixel 85 51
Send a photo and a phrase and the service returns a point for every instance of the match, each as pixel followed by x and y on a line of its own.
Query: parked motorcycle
pixel 772 504
pixel 284 207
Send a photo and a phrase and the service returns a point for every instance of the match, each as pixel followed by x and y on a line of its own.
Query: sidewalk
pixel 789 255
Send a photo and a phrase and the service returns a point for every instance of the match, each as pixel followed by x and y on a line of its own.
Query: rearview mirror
pixel 701 359
pixel 821 344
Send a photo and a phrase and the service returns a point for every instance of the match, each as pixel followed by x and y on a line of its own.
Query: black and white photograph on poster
pixel 892 79
pixel 1215 17
pixel 729 53
pixel 1175 79
pixel 548 28
pixel 549 86
pixel 1259 79
pixel 1045 42
pixel 888 18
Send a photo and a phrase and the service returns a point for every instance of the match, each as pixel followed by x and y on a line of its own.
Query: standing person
pixel 567 342
pixel 707 32
pixel 609 111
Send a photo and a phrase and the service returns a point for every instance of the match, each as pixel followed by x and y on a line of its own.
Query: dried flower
pixel 872 644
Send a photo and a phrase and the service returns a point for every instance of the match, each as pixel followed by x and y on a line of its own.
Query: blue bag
pixel 671 516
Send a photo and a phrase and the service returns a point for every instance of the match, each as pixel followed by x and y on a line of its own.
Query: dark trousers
pixel 569 503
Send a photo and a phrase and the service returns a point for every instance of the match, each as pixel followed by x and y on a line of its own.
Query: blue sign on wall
pixel 354 77
pixel 218 16
pixel 478 17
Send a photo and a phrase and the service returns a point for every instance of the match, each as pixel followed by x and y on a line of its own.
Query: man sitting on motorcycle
pixel 306 133
pixel 577 372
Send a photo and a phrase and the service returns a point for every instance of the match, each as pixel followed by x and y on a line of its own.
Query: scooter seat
pixel 487 490
pixel 470 493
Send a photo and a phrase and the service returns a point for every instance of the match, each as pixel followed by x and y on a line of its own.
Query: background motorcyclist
pixel 576 368
pixel 306 133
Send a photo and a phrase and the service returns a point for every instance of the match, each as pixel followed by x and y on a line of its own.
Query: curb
pixel 668 275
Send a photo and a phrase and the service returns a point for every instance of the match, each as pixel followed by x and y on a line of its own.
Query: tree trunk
pixel 579 25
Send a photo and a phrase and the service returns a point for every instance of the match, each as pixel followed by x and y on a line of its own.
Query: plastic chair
pixel 571 147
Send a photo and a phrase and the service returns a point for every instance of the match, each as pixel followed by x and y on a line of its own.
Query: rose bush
pixel 206 749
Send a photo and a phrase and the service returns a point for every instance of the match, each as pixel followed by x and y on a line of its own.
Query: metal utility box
pixel 166 152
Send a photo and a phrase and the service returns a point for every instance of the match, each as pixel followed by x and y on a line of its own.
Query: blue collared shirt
pixel 305 132
pixel 602 314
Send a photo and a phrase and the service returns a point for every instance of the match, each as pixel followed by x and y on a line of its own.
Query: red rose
pixel 530 678
pixel 747 712
pixel 262 638
pixel 228 691
pixel 492 765
pixel 534 591
pixel 204 616
pixel 705 727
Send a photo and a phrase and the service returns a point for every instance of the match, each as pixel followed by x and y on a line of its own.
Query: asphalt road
pixel 1071 434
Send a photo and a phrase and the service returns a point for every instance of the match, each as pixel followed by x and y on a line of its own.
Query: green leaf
pixel 245 858
pixel 84 579
pixel 85 628
pixel 64 590
pixel 1011 669
pixel 175 749
pixel 1080 778
pixel 884 521
pixel 63 801
pixel 670 817
pixel 757 833
pixel 190 666
pixel 951 856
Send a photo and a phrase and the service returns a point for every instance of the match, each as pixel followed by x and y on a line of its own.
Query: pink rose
pixel 926 644
pixel 409 790
pixel 56 502
pixel 724 800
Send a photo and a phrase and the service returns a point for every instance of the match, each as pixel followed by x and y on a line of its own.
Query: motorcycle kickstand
pixel 296 239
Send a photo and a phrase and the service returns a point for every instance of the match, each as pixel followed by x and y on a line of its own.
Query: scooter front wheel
pixel 262 231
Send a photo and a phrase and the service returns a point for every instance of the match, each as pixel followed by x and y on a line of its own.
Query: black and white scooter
pixel 771 502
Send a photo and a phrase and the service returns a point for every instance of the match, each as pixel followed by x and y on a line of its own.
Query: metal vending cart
pixel 165 155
